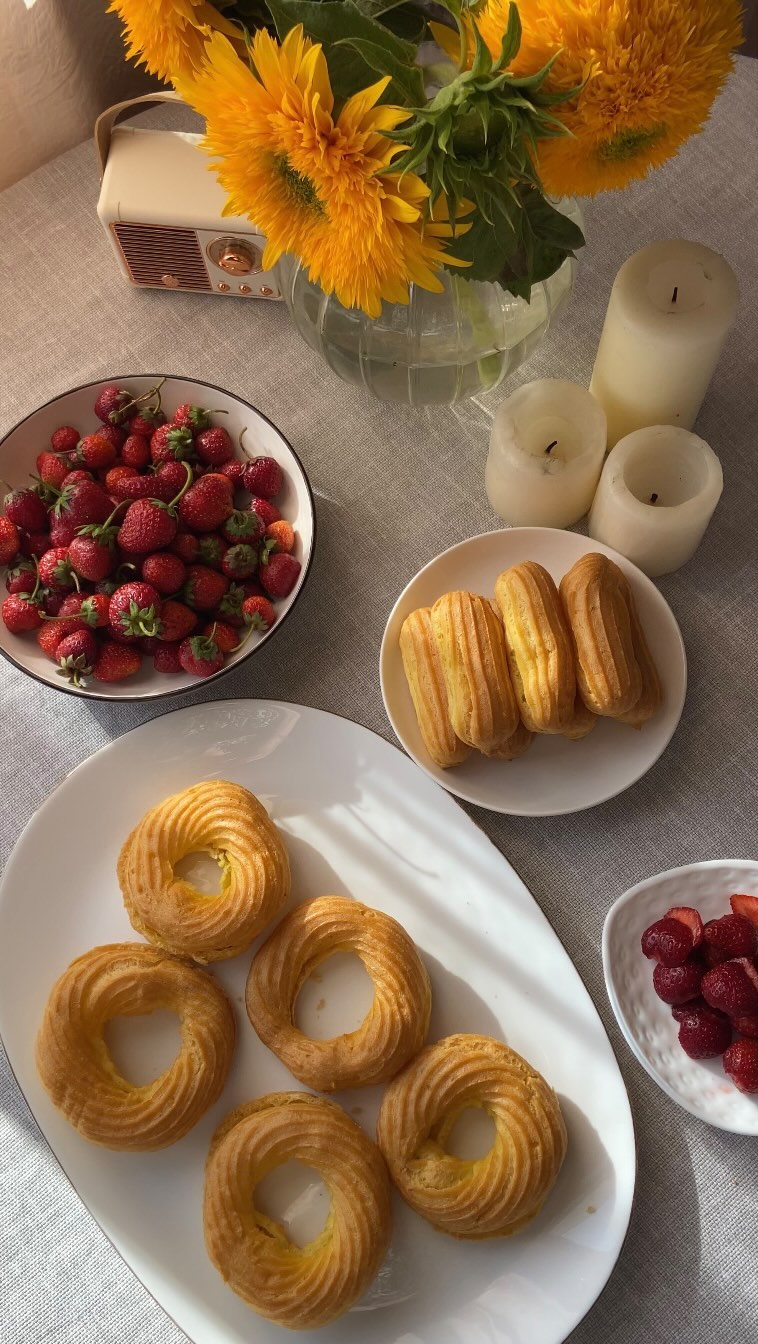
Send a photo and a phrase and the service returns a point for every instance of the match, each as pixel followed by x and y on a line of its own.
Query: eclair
pixel 594 595
pixel 471 644
pixel 423 672
pixel 538 646
pixel 651 695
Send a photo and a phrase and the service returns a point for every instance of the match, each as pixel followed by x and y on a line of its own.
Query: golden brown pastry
pixel 651 695
pixel 228 822
pixel 75 1065
pixel 396 1024
pixel 594 595
pixel 490 1196
pixel 423 671
pixel 471 645
pixel 539 647
pixel 517 744
pixel 299 1287
pixel 581 723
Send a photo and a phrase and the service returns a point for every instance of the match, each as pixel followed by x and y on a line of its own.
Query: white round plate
pixel 30 436
pixel 370 826
pixel 699 1085
pixel 555 775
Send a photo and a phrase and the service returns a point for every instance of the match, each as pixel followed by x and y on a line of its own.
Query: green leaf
pixel 511 38
pixel 330 22
pixel 482 62
pixel 407 81
pixel 410 160
pixel 372 9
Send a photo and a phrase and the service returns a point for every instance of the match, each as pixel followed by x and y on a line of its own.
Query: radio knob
pixel 170 281
pixel 234 256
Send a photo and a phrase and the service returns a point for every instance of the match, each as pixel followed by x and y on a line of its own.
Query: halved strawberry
pixel 687 915
pixel 745 905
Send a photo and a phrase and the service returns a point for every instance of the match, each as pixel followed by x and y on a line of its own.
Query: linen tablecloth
pixel 394 487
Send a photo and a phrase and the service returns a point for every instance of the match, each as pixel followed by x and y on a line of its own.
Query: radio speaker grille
pixel 152 251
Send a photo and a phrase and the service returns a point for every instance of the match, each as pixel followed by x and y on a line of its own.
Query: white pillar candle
pixel 546 452
pixel 656 496
pixel 670 309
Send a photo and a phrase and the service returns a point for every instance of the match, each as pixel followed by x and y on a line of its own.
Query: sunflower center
pixel 628 143
pixel 299 188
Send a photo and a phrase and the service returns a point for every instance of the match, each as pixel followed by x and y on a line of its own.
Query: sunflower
pixel 653 69
pixel 169 36
pixel 315 183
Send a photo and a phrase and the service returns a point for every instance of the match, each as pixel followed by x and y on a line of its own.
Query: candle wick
pixel 676 291
pixel 551 446
pixel 653 498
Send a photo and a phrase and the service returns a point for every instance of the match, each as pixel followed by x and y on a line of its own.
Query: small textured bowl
pixel 20 446
pixel 699 1085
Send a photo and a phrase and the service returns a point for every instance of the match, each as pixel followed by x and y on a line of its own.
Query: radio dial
pixel 234 256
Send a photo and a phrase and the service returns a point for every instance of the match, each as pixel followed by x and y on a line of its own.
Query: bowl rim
pixel 84 693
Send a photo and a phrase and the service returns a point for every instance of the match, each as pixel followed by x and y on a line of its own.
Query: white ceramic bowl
pixel 699 1085
pixel 21 445
pixel 555 776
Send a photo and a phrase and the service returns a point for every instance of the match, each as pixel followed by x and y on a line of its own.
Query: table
pixel 395 487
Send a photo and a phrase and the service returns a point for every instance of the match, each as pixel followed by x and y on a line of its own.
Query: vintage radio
pixel 161 209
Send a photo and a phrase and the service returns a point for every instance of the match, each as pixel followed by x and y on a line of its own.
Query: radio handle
pixel 107 119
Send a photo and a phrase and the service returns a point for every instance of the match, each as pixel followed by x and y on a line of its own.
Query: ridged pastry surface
pixel 471 645
pixel 538 644
pixel 518 743
pixel 230 823
pixel 426 683
pixel 75 1065
pixel 594 595
pixel 491 1196
pixel 581 722
pixel 651 695
pixel 307 1287
pixel 396 1024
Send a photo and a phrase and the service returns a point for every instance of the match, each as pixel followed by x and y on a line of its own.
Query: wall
pixel 63 62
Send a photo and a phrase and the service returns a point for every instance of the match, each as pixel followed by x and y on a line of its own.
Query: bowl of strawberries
pixel 156 531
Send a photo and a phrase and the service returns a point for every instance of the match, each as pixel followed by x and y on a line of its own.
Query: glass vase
pixel 438 348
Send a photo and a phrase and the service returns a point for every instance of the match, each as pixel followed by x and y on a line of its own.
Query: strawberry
pixel 731 936
pixel 225 636
pixel 62 532
pixel 63 439
pixel 91 608
pixel 177 621
pixel 200 655
pixel 135 610
pixel 114 435
pixel 230 607
pixel 79 474
pixel 145 487
pixel 52 602
pixel 730 988
pixel 278 575
pixel 192 417
pixel 169 442
pixel 185 545
pixel 49 637
pixel 214 446
pixel 243 525
pixel 110 404
pixel 25 509
pixel 741 1064
pixel 266 511
pixel 22 578
pixel 35 543
pixel 239 562
pixel 682 1010
pixel 677 984
pixel 166 658
pixel 204 588
pixel 145 422
pixel 746 1024
pixel 118 473
pixel 667 940
pixel 745 905
pixel 264 476
pixel 115 662
pixel 174 472
pixel 136 451
pixel 96 452
pixel 211 550
pixel 91 558
pixel 20 612
pixel 207 504
pixel 686 915
pixel 234 470
pixel 165 571
pixel 258 612
pixel 56 571
pixel 10 541
pixel 704 1034
pixel 52 470
pixel 150 524
pixel 83 502
pixel 75 656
